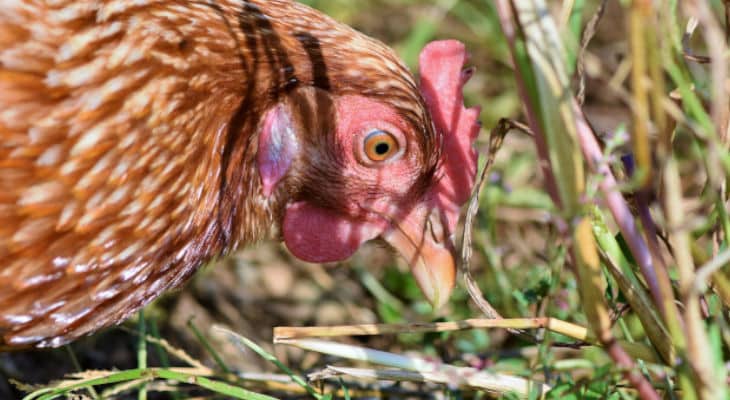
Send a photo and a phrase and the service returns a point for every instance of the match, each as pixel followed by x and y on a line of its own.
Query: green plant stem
pixel 142 353
pixel 206 343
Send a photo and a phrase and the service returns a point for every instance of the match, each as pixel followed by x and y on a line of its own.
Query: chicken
pixel 140 139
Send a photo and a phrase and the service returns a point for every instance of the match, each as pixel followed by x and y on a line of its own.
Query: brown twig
pixel 588 34
pixel 496 138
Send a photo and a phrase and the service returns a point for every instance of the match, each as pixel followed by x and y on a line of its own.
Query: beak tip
pixel 423 242
pixel 438 292
pixel 438 302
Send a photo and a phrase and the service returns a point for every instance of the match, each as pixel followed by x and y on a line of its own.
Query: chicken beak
pixel 423 241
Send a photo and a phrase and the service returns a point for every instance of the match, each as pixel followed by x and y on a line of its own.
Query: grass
pixel 600 232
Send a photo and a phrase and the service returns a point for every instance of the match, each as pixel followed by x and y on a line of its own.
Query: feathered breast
pixel 112 123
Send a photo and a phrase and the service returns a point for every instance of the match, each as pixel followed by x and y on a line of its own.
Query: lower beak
pixel 423 241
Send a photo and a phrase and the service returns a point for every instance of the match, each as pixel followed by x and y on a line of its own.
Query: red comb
pixel 441 66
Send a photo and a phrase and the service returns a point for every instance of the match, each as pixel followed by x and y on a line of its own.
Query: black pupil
pixel 382 148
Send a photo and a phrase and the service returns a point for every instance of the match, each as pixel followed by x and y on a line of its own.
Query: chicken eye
pixel 380 145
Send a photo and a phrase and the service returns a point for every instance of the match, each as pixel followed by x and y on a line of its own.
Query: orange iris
pixel 380 145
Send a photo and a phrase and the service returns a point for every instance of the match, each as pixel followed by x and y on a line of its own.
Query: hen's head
pixel 396 166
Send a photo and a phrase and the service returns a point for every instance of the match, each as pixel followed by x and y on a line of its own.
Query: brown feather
pixel 126 137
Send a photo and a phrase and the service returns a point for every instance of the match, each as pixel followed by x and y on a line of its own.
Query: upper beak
pixel 423 241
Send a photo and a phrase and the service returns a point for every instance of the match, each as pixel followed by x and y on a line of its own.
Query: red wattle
pixel 316 234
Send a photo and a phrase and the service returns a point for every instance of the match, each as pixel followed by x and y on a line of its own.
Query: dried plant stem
pixel 707 271
pixel 717 46
pixel 645 64
pixel 571 330
pixel 496 385
pixel 717 134
pixel 577 332
pixel 75 361
pixel 170 349
pixel 496 138
pixel 430 370
pixel 699 353
pixel 657 90
pixel 638 15
pixel 588 34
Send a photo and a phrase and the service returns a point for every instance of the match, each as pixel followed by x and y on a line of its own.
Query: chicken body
pixel 139 139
